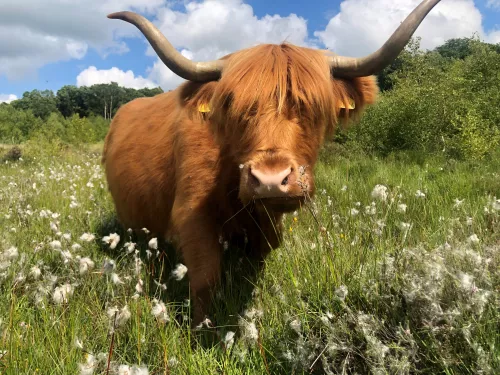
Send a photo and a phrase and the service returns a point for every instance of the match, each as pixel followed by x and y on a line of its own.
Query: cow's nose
pixel 270 184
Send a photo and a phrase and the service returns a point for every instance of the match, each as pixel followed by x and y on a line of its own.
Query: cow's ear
pixel 354 95
pixel 197 97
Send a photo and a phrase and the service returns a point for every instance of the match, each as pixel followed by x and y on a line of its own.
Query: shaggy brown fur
pixel 184 174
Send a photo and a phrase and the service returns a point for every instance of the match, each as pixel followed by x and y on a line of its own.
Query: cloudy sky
pixel 50 43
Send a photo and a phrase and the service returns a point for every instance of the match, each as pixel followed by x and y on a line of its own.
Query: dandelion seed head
pixel 112 240
pixel 116 279
pixel 124 370
pixel 341 292
pixel 296 325
pixel 55 244
pixel 153 243
pixel 62 294
pixel 35 272
pixel 473 239
pixel 87 237
pixel 159 311
pixel 86 264
pixel 10 254
pixel 380 192
pixel 179 272
pixel 419 194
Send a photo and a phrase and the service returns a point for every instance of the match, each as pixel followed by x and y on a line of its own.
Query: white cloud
pixel 34 33
pixel 92 76
pixel 7 98
pixel 214 28
pixel 362 26
pixel 493 4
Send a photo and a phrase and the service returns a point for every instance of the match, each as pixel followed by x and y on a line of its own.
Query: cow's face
pixel 276 155
pixel 270 112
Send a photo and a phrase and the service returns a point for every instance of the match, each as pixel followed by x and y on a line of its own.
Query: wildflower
pixel 67 236
pixel 495 204
pixel 162 286
pixel 130 247
pixel 67 256
pixel 466 281
pixel 116 279
pixel 420 194
pixel 53 226
pixel 341 292
pixel 11 253
pixel 86 264
pixel 458 203
pixel 124 370
pixel 380 192
pixel 172 362
pixel 473 239
pixel 404 226
pixel 253 313
pixel 159 311
pixel 179 272
pixel 296 325
pixel 35 272
pixel 89 366
pixel 139 370
pixel 55 244
pixel 138 286
pixel 371 210
pixel 249 331
pixel 402 208
pixel 145 230
pixel 62 293
pixel 109 265
pixel 87 237
pixel 354 212
pixel 153 243
pixel 207 322
pixel 76 247
pixel 78 344
pixel 229 339
pixel 344 188
pixel 118 317
pixel 112 240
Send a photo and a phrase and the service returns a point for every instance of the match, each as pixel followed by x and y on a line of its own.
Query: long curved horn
pixel 183 67
pixel 350 67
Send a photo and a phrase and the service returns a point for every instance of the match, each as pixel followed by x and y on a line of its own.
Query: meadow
pixel 391 269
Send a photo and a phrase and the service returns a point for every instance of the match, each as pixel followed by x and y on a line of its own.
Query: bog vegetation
pixel 392 268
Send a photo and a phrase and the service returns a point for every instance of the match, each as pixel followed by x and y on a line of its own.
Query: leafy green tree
pixel 437 104
pixel 41 103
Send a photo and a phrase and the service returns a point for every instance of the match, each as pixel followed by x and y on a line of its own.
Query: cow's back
pixel 138 159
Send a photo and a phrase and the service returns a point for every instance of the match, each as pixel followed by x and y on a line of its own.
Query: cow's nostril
pixel 285 181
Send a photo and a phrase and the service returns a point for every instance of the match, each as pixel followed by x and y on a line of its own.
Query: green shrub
pixel 437 105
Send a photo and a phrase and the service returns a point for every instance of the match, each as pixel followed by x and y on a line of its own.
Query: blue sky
pixel 52 47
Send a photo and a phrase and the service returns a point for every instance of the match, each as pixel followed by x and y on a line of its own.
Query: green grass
pixel 343 294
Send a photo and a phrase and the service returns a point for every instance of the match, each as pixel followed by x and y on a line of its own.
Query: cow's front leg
pixel 202 256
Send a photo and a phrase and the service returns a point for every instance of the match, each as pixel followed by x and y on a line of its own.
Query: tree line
pixel 96 100
pixel 446 98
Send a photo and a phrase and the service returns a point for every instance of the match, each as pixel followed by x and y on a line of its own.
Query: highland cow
pixel 233 148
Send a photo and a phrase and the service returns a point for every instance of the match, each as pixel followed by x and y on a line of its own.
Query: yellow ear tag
pixel 203 108
pixel 352 105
